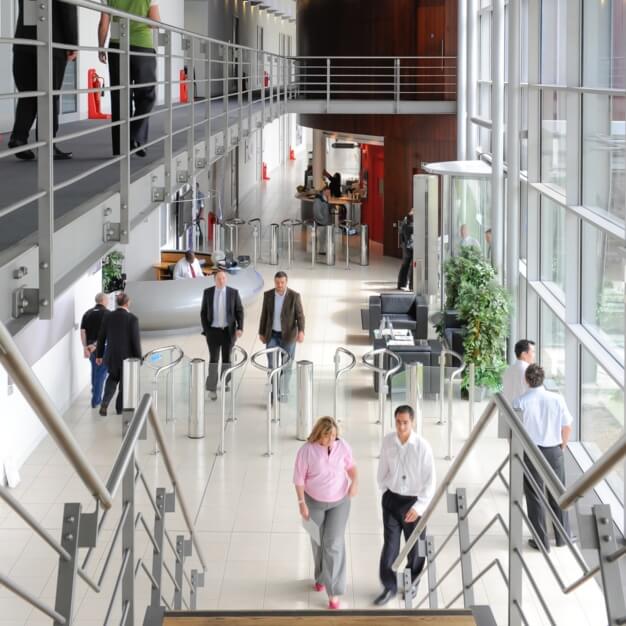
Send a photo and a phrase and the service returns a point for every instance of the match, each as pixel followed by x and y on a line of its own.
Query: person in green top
pixel 142 68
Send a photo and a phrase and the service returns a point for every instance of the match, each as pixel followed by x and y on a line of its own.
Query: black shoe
pixel 59 155
pixel 24 155
pixel 103 410
pixel 533 544
pixel 384 597
pixel 140 153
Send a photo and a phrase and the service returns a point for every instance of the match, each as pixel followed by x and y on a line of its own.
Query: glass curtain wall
pixel 572 227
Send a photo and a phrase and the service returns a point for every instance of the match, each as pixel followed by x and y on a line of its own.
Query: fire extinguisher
pixel 292 154
pixel 264 175
pixel 94 98
pixel 266 79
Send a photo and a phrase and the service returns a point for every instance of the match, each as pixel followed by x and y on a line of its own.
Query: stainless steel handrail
pixel 339 372
pixel 282 360
pixel 225 376
pixel 383 378
pixel 19 371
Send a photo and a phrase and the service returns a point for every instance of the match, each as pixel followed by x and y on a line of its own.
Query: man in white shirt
pixel 466 238
pixel 548 422
pixel 187 267
pixel 406 476
pixel 513 380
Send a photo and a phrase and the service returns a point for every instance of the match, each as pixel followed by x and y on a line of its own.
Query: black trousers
pixel 405 275
pixel 395 507
pixel 142 70
pixel 219 341
pixel 536 512
pixel 114 381
pixel 25 77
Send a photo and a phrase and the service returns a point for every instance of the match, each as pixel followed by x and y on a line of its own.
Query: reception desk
pixel 166 305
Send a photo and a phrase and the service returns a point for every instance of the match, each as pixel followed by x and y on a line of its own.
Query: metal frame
pixel 375 361
pixel 226 375
pixel 339 373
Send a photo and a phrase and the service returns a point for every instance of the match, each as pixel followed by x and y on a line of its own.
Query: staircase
pixel 478 616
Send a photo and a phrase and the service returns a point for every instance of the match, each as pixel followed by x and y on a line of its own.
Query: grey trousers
pixel 330 557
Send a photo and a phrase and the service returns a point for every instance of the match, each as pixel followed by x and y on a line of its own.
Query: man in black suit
pixel 64 31
pixel 118 340
pixel 222 324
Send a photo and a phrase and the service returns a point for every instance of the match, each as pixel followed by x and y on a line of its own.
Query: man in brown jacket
pixel 282 323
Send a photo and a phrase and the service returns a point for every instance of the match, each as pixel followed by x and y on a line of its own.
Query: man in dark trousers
pixel 120 335
pixel 282 323
pixel 221 315
pixel 65 31
pixel 406 476
pixel 405 275
pixel 548 422
pixel 89 332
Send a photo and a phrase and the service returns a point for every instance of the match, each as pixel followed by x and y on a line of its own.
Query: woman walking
pixel 325 478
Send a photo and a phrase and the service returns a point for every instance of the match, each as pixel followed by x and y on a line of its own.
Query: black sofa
pixel 404 310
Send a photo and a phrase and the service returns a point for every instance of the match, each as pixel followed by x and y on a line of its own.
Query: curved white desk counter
pixel 175 304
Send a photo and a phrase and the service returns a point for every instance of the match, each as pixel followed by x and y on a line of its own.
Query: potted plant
pixel 483 306
pixel 112 275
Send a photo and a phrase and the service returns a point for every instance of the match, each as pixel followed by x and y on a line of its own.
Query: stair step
pixel 321 618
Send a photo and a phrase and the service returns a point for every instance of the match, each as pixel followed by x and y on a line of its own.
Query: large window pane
pixel 552 347
pixel 553 138
pixel 602 292
pixel 553 44
pixel 484 69
pixel 603 154
pixel 523 221
pixel 553 247
pixel 603 43
pixel 602 409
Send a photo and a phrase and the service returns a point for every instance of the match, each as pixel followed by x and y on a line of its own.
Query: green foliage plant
pixel 111 271
pixel 484 307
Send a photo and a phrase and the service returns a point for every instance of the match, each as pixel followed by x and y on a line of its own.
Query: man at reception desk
pixel 187 267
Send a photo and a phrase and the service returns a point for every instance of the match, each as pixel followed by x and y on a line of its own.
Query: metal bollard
pixel 196 427
pixel 415 392
pixel 365 244
pixel 274 244
pixel 304 418
pixel 131 378
pixel 329 233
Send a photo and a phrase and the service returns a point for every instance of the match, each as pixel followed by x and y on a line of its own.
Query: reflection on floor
pixel 244 504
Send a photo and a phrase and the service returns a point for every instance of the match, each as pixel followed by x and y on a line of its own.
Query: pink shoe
pixel 319 587
pixel 333 604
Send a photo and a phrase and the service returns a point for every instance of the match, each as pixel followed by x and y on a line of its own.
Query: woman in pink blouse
pixel 325 479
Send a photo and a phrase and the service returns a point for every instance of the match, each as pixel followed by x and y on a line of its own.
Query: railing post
pixel 124 98
pixel 209 105
pixel 128 541
pixel 397 84
pixel 45 163
pixel 327 85
pixel 183 549
pixel 432 572
pixel 168 102
pixel 464 543
pixel 612 584
pixel 516 489
pixel 225 94
pixel 157 550
pixel 66 578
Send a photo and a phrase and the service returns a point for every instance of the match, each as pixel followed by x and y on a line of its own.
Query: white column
pixel 319 158
pixel 461 81
pixel 471 78
pixel 513 169
pixel 497 135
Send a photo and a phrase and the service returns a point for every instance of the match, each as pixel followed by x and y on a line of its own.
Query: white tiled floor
pixel 243 503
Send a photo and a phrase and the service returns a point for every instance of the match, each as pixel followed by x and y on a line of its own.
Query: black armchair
pixel 404 310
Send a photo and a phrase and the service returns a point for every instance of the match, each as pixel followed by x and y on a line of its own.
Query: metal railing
pixel 226 376
pixel 229 87
pixel 339 373
pixel 597 531
pixel 277 360
pixel 82 530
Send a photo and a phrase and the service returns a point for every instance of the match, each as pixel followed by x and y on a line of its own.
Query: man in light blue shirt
pixel 548 423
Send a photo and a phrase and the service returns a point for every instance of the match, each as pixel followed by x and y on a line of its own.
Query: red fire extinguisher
pixel 292 154
pixel 94 98
pixel 183 91
pixel 264 175
pixel 266 79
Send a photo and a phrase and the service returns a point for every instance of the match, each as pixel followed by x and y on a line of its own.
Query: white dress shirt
pixel 219 308
pixel 408 469
pixel 544 413
pixel 182 269
pixel 514 381
pixel 469 241
pixel 278 307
